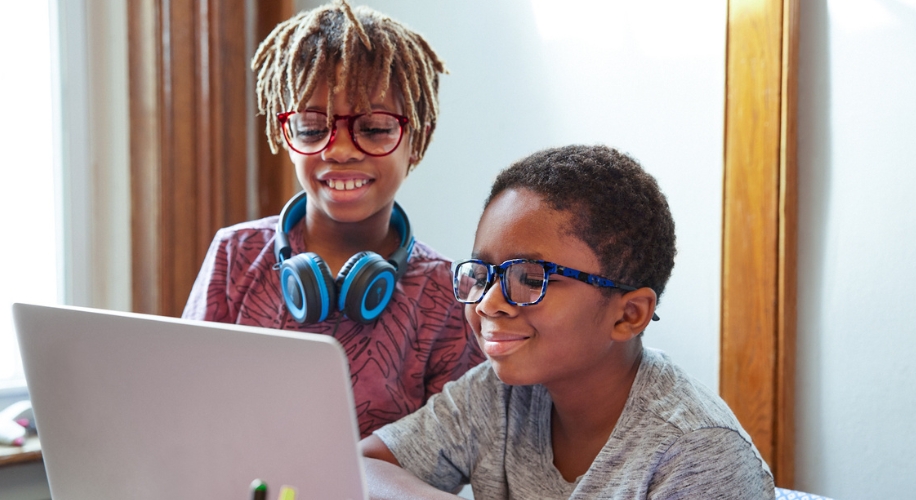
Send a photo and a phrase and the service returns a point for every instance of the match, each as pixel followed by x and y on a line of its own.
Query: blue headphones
pixel 364 285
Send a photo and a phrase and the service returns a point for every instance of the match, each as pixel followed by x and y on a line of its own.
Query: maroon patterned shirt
pixel 418 344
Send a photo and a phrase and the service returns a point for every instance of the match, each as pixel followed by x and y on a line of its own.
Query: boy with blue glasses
pixel 573 249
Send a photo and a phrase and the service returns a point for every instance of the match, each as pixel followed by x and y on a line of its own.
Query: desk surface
pixel 29 452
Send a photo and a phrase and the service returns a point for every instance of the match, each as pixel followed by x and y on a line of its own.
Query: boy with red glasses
pixel 352 96
pixel 572 251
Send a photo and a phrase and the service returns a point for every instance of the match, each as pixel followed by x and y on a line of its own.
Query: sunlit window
pixel 28 251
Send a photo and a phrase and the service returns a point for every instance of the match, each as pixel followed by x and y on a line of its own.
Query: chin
pixel 511 376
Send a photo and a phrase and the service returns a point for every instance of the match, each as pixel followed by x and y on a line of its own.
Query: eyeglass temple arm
pixel 592 279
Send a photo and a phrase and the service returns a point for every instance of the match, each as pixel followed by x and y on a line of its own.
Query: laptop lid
pixel 147 407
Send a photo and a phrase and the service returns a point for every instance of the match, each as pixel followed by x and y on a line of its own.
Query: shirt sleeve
pixel 437 443
pixel 209 300
pixel 711 463
pixel 455 349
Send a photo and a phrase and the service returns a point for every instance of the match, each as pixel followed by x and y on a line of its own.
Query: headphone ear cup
pixel 365 285
pixel 308 288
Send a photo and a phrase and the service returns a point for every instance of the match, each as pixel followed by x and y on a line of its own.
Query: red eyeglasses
pixel 376 134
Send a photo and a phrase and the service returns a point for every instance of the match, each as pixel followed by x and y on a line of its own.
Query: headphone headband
pixel 294 211
pixel 363 287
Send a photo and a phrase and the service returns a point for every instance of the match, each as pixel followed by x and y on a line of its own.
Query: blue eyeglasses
pixel 523 281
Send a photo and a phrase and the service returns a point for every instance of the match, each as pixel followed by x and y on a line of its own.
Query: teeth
pixel 346 185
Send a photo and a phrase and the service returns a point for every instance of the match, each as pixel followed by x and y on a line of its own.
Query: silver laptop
pixel 147 407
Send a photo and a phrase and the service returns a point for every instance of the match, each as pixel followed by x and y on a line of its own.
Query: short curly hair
pixel 617 208
pixel 373 52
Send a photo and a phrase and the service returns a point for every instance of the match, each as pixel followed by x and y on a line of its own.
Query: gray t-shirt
pixel 674 439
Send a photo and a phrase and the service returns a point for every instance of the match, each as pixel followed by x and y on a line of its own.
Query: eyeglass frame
pixel 550 268
pixel 403 121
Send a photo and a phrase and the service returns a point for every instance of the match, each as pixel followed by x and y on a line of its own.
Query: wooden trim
pixel 787 282
pixel 757 374
pixel 145 155
pixel 277 181
pixel 189 162
pixel 228 89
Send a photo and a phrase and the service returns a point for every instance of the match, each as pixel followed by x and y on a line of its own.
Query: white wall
pixel 644 77
pixel 857 234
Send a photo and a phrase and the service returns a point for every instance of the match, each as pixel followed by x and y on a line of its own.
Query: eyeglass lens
pixel 373 133
pixel 522 282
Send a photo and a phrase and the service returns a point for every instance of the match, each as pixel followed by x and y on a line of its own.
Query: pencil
pixel 258 490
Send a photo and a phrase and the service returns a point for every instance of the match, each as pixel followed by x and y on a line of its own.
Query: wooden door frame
pixel 759 238
pixel 190 121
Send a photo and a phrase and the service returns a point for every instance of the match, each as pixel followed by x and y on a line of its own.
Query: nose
pixel 341 148
pixel 494 301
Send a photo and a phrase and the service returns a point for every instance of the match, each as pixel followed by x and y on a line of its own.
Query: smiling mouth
pixel 497 347
pixel 346 184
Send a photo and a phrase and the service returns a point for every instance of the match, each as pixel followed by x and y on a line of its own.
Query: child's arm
pixel 443 441
pixel 208 300
pixel 387 480
pixel 237 257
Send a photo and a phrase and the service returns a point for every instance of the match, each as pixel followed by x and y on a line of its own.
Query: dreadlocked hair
pixel 373 52
pixel 617 208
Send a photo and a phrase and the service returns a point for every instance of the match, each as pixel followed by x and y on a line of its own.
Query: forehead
pixel 392 98
pixel 518 223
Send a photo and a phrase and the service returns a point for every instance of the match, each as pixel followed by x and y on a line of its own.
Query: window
pixel 27 191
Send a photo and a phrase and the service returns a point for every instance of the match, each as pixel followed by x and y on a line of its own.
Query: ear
pixel 636 310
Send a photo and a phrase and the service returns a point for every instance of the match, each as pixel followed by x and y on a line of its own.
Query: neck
pixel 585 412
pixel 588 409
pixel 337 241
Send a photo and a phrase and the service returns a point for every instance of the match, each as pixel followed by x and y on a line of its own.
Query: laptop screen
pixel 147 407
